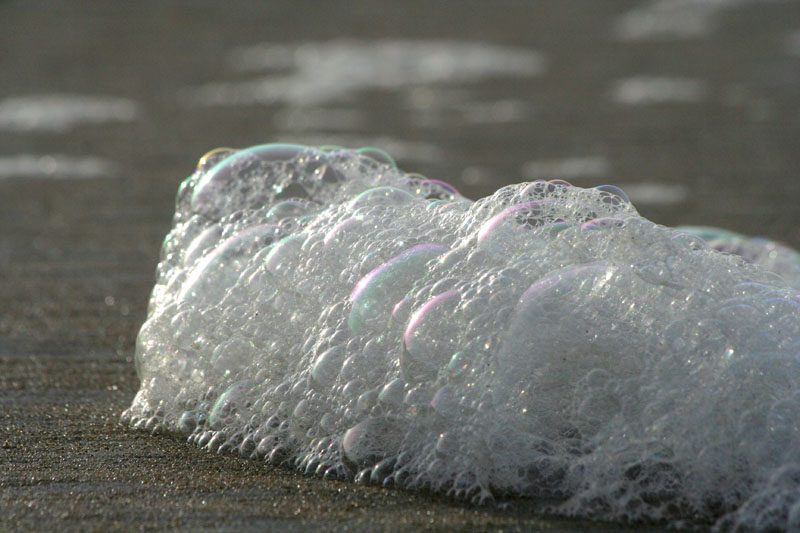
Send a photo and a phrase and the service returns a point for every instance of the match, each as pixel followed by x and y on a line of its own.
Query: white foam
pixel 324 72
pixel 325 310
pixel 62 112
pixel 54 166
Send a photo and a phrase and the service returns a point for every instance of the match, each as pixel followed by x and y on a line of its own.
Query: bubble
pixel 604 223
pixel 425 346
pixel 220 269
pixel 201 244
pixel 613 194
pixel 289 208
pixel 323 310
pixel 220 180
pixel 517 222
pixel 378 155
pixel 376 294
pixel 371 440
pixel 233 403
pixel 327 366
pixel 212 157
pixel 438 190
pixel 280 258
pixel 388 196
pixel 529 214
pixel 339 232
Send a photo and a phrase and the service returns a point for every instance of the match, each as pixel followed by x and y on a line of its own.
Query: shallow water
pixel 323 309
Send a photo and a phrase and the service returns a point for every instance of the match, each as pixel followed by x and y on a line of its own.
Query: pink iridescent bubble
pixel 220 179
pixel 527 212
pixel 450 191
pixel 427 343
pixel 602 224
pixel 220 269
pixel 376 294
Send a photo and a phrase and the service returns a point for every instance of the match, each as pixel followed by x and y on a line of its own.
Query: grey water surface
pixel 692 107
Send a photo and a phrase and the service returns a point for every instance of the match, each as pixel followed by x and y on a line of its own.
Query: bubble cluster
pixel 322 309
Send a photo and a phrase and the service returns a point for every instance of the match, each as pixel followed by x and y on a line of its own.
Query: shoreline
pixel 69 464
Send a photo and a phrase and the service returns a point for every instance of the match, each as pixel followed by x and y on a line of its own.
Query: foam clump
pixel 323 309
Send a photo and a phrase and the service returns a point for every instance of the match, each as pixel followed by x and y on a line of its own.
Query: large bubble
pixel 322 309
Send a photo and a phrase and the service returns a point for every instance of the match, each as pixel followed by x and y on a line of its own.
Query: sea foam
pixel 323 309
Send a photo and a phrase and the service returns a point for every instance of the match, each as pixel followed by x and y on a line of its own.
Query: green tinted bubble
pixel 378 155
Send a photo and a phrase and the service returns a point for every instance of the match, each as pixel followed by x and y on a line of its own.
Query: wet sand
pixel 77 256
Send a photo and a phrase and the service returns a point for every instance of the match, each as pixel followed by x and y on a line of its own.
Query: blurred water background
pixel 691 106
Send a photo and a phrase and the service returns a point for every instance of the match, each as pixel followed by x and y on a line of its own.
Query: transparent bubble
pixel 327 366
pixel 234 403
pixel 289 208
pixel 376 294
pixel 282 257
pixel 425 346
pixel 218 270
pixel 386 195
pixel 369 441
pixel 223 178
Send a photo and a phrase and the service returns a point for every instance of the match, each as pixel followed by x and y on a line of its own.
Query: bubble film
pixel 322 309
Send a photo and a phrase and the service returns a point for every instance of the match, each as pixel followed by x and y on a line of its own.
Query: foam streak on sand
pixel 325 310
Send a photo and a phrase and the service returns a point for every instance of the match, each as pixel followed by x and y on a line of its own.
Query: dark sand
pixel 77 256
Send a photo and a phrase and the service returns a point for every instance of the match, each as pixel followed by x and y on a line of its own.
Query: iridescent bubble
pixel 378 155
pixel 613 195
pixel 234 403
pixel 347 227
pixel 212 157
pixel 283 253
pixel 374 439
pixel 402 311
pixel 289 208
pixel 201 244
pixel 533 355
pixel 445 402
pixel 529 215
pixel 459 363
pixel 376 294
pixel 427 343
pixel 386 195
pixel 220 181
pixel 213 275
pixel 604 223
pixel 543 188
pixel 438 190
pixel 552 230
pixel 393 393
pixel 435 204
pixel 497 233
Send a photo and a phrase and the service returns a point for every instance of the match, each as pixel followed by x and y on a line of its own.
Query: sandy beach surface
pixel 105 107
